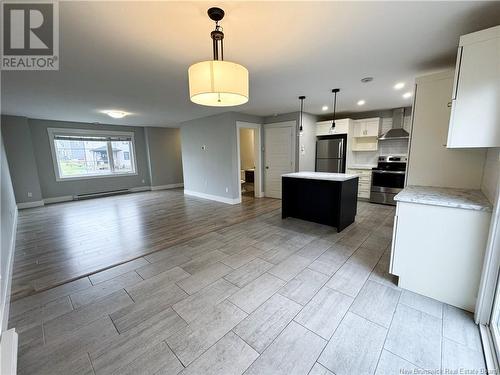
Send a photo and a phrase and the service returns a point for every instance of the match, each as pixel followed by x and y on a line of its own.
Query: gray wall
pixel 292 116
pixel 52 188
pixel 307 144
pixel 32 169
pixel 213 170
pixel 8 214
pixel 210 171
pixel 19 148
pixel 164 152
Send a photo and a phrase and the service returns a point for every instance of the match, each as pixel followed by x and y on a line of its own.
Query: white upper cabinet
pixel 475 114
pixel 430 163
pixel 368 127
pixel 325 127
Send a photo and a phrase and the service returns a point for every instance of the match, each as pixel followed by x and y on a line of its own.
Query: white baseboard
pixel 212 197
pixel 488 348
pixel 140 188
pixel 68 198
pixel 165 187
pixel 5 305
pixel 64 198
pixel 23 205
pixel 8 352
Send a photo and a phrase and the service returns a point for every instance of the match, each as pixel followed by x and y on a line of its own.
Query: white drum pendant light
pixel 218 83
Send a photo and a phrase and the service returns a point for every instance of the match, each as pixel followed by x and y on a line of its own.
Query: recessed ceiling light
pixel 399 85
pixel 361 102
pixel 324 108
pixel 115 114
pixel 366 79
pixel 407 95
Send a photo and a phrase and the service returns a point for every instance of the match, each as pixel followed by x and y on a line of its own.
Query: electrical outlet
pixel 30 194
pixel 227 189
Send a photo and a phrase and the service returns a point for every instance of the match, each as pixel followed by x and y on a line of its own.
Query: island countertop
pixel 448 197
pixel 321 176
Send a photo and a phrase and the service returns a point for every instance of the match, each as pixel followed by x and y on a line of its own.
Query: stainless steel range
pixel 388 178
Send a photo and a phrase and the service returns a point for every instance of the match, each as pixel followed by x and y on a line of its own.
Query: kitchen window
pixel 83 154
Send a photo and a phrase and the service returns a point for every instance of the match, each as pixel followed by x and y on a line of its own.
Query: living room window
pixel 82 154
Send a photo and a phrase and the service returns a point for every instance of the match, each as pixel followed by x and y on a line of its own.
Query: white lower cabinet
pixel 365 181
pixel 438 251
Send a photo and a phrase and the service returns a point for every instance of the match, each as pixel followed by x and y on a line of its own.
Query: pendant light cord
pixel 335 91
pixel 301 98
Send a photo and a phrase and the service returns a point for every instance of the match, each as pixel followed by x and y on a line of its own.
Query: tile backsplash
pixel 395 146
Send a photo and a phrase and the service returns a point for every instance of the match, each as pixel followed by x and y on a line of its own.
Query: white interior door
pixel 278 158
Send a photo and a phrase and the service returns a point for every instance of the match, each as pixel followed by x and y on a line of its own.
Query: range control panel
pixel 392 159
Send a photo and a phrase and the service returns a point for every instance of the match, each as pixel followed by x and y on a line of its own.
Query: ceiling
pixel 134 56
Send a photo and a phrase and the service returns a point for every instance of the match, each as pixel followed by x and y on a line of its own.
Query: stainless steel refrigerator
pixel 330 155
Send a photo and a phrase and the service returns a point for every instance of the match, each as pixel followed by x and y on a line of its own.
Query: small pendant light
pixel 301 128
pixel 335 91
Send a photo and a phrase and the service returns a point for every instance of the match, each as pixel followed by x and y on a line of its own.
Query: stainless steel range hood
pixel 397 131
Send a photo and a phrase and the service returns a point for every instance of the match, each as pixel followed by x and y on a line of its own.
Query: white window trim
pixel 87 132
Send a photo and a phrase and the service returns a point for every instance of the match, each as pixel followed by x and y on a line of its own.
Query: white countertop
pixel 447 197
pixel 322 176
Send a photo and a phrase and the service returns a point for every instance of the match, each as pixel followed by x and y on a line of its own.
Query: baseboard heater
pixel 100 194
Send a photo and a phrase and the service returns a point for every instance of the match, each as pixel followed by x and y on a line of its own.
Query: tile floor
pixel 265 296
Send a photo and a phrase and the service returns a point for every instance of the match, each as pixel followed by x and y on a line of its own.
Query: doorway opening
pixel 249 160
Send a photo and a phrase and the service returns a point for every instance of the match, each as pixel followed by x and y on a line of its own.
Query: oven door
pixel 388 179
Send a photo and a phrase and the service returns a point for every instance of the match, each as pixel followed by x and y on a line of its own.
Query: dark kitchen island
pixel 325 198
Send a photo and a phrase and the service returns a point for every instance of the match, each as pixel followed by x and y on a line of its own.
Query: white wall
pixel 491 174
pixel 8 232
pixel 247 150
pixel 431 163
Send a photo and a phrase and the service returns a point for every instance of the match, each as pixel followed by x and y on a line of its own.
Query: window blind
pixel 84 138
